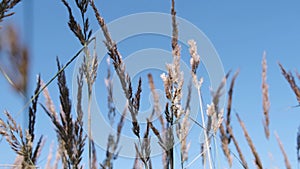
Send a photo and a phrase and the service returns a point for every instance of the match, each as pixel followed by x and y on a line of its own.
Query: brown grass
pixel 6 6
pixel 238 149
pixel 265 94
pixel 298 75
pixel 291 80
pixel 298 144
pixel 286 160
pixel 69 130
pixel 18 60
pixel 113 144
pixel 124 78
pixel 250 143
pixel 226 137
pixel 20 142
pixel 90 64
pixel 229 102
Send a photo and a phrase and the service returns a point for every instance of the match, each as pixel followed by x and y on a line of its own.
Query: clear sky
pixel 239 31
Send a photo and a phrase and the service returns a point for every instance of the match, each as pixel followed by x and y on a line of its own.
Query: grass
pixel 174 119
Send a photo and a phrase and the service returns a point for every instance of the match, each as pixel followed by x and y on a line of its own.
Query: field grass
pixel 174 118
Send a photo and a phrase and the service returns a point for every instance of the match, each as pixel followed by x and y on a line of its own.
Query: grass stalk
pixel 250 143
pixel 204 126
pixel 291 80
pixel 286 160
pixel 265 93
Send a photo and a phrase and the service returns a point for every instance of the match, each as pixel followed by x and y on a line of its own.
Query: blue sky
pixel 239 31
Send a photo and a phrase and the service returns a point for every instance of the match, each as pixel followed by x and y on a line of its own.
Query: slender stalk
pixel 286 160
pixel 250 143
pixel 90 71
pixel 203 124
pixel 217 152
pixel 52 79
pixel 172 157
pixel 86 53
pixel 90 131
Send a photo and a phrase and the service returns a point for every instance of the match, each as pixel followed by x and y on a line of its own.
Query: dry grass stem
pixel 229 102
pixel 94 159
pixel 89 68
pixel 173 82
pixel 50 157
pixel 110 101
pixel 214 121
pixel 182 129
pixel 16 67
pixel 214 115
pixel 7 5
pixel 20 142
pixel 110 44
pixel 220 91
pixel 69 131
pixel 238 149
pixel 156 108
pixel 124 78
pixel 290 79
pixel 297 74
pixel 286 160
pixel 144 151
pixel 175 45
pixel 90 64
pixel 195 58
pixel 225 145
pixel 228 136
pixel 82 35
pixel 113 143
pixel 265 93
pixel 298 144
pixel 173 122
pixel 136 164
pixel 250 143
